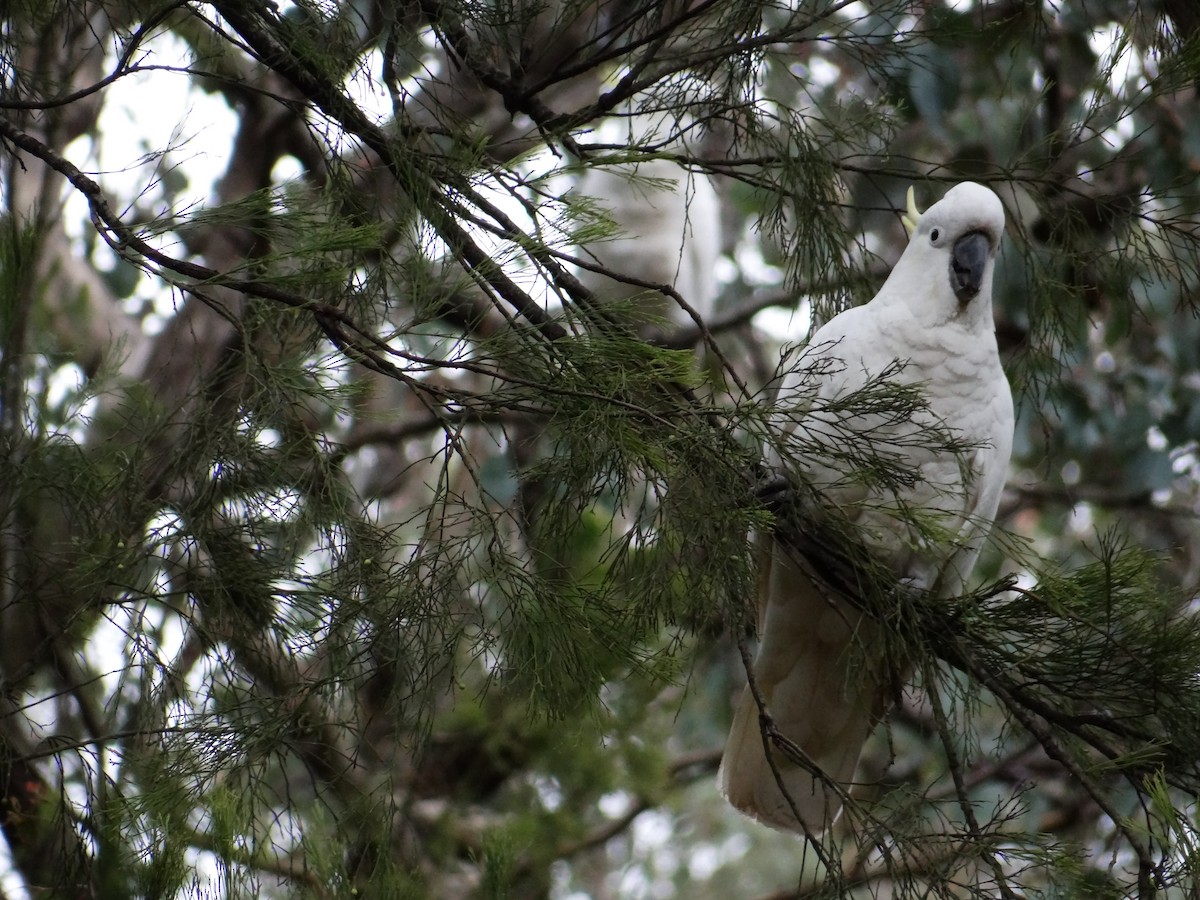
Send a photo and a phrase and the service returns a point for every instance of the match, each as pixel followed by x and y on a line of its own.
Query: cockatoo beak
pixel 967 263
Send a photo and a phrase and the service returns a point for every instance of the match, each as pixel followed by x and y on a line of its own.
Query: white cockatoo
pixel 819 667
pixel 668 224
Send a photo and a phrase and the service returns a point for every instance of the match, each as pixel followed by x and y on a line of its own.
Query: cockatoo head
pixel 952 248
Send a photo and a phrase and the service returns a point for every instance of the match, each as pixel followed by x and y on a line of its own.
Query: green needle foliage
pixel 351 546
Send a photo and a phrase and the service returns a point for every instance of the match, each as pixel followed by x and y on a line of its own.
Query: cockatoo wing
pixel 819 669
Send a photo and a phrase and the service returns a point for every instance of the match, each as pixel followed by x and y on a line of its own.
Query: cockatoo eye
pixel 934 235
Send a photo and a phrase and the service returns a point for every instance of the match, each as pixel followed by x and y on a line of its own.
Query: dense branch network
pixel 980 636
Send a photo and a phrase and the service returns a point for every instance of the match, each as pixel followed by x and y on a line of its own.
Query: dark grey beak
pixel 967 263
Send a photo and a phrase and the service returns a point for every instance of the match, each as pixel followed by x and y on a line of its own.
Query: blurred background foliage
pixel 363 537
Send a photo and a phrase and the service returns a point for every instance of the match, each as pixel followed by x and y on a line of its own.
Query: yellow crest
pixel 913 215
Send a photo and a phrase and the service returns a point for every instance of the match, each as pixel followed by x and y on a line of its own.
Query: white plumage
pixel 818 666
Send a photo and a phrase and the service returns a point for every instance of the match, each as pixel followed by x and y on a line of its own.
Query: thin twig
pixel 960 787
pixel 772 738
